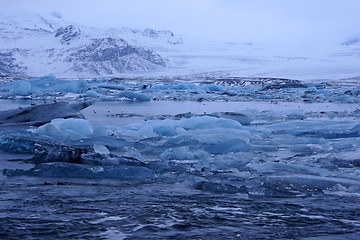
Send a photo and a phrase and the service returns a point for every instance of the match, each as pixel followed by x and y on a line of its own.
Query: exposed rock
pixel 68 34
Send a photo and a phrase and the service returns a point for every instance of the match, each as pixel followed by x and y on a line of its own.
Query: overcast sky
pixel 230 20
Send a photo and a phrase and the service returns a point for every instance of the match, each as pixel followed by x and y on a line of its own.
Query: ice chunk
pixel 57 152
pixel 92 94
pixel 139 131
pixel 227 161
pixel 100 148
pixel 134 96
pixel 183 153
pixel 83 171
pixel 183 86
pixel 18 142
pixel 284 167
pixel 314 182
pixel 218 135
pixel 132 154
pixel 47 85
pixel 241 118
pixel 71 129
pixel 80 105
pixel 212 87
pixel 220 187
pixel 208 122
pixel 23 89
pixel 40 114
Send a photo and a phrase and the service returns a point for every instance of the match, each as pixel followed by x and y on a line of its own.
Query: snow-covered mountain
pixel 31 45
pixel 34 45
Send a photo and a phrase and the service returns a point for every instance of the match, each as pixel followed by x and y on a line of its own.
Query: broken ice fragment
pixel 100 148
pixel 134 96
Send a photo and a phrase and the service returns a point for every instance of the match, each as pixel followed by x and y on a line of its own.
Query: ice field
pixel 180 158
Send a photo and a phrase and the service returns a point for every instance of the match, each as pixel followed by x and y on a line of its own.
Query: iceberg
pixel 134 96
pixel 101 149
pixel 44 86
pixel 40 114
pixel 248 90
pixel 183 153
pixel 311 181
pixel 240 117
pixel 92 94
pixel 71 129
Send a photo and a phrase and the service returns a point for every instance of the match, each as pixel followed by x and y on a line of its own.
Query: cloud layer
pixel 230 20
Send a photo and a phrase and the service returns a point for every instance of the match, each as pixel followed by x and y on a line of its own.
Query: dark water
pixel 48 208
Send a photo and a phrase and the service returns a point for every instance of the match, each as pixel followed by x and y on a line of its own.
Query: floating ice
pixel 83 171
pixel 183 153
pixel 240 117
pixel 71 129
pixel 288 168
pixel 18 142
pixel 310 181
pixel 218 135
pixel 92 94
pixel 40 114
pixel 255 152
pixel 258 90
pixel 100 148
pixel 48 85
pixel 131 153
pixel 134 96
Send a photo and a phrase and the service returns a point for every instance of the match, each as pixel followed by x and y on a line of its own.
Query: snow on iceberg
pixel 71 129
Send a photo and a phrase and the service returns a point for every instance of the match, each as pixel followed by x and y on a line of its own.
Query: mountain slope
pixel 32 46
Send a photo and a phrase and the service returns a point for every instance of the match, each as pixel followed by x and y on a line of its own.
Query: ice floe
pixel 241 89
pixel 277 153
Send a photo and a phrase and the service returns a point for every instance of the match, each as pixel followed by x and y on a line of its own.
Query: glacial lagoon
pixel 187 161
